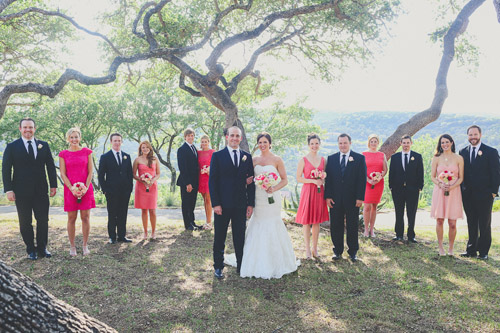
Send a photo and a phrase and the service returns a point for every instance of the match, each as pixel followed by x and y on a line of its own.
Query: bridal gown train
pixel 268 251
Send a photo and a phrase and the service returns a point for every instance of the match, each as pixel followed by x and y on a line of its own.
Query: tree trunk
pixel 27 307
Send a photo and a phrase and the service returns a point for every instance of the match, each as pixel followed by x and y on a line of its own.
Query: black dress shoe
pixel 112 241
pixel 44 254
pixel 480 257
pixel 353 258
pixel 218 273
pixel 337 257
pixel 32 256
pixel 398 239
pixel 196 227
pixel 412 240
pixel 124 240
pixel 467 255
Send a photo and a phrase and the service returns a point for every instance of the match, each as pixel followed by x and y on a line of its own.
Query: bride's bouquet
pixel 318 174
pixel 266 180
pixel 375 175
pixel 146 177
pixel 80 188
pixel 446 177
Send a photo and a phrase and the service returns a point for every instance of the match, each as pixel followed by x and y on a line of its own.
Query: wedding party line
pixel 242 191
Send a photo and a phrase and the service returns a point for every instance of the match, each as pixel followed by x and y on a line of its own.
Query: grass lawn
pixel 168 285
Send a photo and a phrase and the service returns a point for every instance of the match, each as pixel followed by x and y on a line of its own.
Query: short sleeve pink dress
pixel 145 199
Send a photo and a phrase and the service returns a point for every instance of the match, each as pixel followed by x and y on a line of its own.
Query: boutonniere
pixel 40 146
pixel 124 157
pixel 412 158
pixel 351 159
pixel 479 153
pixel 244 158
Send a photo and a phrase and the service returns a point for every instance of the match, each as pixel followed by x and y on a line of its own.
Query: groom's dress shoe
pixel 44 254
pixel 480 257
pixel 412 240
pixel 398 239
pixel 124 240
pixel 337 257
pixel 354 258
pixel 218 273
pixel 32 256
pixel 112 241
pixel 467 255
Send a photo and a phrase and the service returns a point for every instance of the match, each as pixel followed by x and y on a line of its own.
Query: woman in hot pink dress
pixel 376 168
pixel 146 171
pixel 76 169
pixel 204 158
pixel 312 207
pixel 447 196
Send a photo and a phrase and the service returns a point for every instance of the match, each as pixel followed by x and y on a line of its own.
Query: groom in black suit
pixel 406 180
pixel 232 199
pixel 479 188
pixel 115 178
pixel 344 193
pixel 27 185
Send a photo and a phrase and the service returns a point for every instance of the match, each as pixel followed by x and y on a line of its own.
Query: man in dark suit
pixel 406 180
pixel 232 198
pixel 344 193
pixel 27 185
pixel 115 178
pixel 479 189
pixel 187 160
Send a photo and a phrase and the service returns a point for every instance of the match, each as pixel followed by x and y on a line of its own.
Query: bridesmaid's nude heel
pixel 86 251
pixel 72 251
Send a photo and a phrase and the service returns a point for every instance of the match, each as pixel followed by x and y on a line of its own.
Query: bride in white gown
pixel 268 251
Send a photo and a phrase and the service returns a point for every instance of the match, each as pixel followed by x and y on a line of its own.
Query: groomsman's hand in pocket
pixel 218 210
pixel 329 202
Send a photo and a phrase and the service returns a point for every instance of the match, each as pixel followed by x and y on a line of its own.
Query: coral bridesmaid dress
pixel 204 158
pixel 144 199
pixel 450 206
pixel 374 163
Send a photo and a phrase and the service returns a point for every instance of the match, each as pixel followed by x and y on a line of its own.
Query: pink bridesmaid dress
pixel 450 206
pixel 374 163
pixel 144 199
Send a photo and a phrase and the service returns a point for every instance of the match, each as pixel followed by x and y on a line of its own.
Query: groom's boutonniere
pixel 412 158
pixel 479 153
pixel 124 157
pixel 244 158
pixel 351 159
pixel 40 146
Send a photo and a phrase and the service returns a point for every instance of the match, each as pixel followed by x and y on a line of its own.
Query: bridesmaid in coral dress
pixel 376 168
pixel 204 158
pixel 76 167
pixel 146 171
pixel 447 175
pixel 312 207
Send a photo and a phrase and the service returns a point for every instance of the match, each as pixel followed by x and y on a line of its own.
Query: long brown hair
pixel 150 156
pixel 439 150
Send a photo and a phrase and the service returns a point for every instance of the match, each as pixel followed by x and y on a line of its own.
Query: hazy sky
pixel 401 78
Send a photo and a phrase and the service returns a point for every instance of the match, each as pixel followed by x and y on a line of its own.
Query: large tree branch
pixel 190 90
pixel 423 118
pixel 496 3
pixel 138 18
pixel 153 44
pixel 5 3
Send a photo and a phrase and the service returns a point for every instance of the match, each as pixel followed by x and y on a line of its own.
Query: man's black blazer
pixel 414 177
pixel 227 183
pixel 188 167
pixel 483 176
pixel 29 175
pixel 352 185
pixel 114 178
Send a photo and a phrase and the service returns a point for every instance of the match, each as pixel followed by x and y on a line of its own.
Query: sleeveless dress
pixel 447 207
pixel 204 158
pixel 312 205
pixel 268 251
pixel 374 163
pixel 77 163
pixel 143 199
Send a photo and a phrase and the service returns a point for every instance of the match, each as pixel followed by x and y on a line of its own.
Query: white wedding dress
pixel 268 251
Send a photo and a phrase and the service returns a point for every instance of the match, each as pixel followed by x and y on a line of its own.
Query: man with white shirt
pixel 25 166
pixel 115 178
pixel 406 180
pixel 479 188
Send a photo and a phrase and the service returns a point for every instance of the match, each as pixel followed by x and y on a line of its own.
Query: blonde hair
pixel 204 136
pixel 373 136
pixel 71 131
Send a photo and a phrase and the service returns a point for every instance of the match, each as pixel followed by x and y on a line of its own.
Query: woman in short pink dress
pixel 204 158
pixel 375 163
pixel 146 171
pixel 312 207
pixel 76 169
pixel 447 196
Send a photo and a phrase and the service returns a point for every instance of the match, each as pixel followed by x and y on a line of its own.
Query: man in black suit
pixel 27 185
pixel 232 199
pixel 344 193
pixel 406 180
pixel 187 160
pixel 479 189
pixel 115 178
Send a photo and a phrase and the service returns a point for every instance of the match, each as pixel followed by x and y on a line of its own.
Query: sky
pixel 400 78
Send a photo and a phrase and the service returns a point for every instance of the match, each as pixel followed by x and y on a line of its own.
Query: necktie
pixel 342 165
pixel 235 157
pixel 30 150
pixel 406 161
pixel 119 159
pixel 473 156
pixel 194 150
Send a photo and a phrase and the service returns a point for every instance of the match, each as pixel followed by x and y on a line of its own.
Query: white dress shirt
pixel 116 157
pixel 346 157
pixel 403 158
pixel 238 153
pixel 477 149
pixel 33 144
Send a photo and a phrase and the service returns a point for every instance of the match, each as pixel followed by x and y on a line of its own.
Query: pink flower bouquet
pixel 318 174
pixel 147 178
pixel 446 177
pixel 205 170
pixel 375 175
pixel 80 189
pixel 266 180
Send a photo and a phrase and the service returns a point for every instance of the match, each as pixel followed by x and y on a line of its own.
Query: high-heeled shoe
pixel 145 237
pixel 86 251
pixel 72 251
pixel 153 236
pixel 441 253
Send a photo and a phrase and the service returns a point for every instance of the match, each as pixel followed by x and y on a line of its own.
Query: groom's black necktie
pixel 406 161
pixel 235 157
pixel 119 159
pixel 473 156
pixel 31 153
pixel 342 165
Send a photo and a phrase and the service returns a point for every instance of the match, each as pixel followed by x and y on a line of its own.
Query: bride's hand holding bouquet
pixel 265 181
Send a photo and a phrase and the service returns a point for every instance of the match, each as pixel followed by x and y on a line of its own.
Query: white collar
pixel 26 140
pixel 116 151
pixel 409 153
pixel 477 147
pixel 231 149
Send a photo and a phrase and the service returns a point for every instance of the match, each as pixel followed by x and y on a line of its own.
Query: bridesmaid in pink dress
pixel 146 171
pixel 447 197
pixel 75 165
pixel 312 207
pixel 204 158
pixel 375 162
